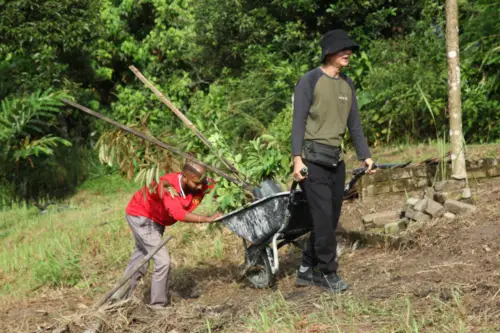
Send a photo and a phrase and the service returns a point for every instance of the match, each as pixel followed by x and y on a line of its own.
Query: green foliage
pixel 25 132
pixel 58 271
pixel 231 67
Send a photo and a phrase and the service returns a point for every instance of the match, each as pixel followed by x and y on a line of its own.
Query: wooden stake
pixel 160 144
pixel 127 277
pixel 184 119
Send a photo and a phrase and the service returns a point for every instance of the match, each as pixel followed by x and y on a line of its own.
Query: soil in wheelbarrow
pixel 448 280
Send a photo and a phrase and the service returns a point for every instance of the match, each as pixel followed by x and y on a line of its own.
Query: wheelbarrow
pixel 270 223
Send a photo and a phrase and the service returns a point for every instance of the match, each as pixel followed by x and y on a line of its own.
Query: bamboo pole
pixel 184 119
pixel 160 144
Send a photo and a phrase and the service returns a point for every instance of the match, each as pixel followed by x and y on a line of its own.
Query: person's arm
pixel 356 130
pixel 195 218
pixel 178 213
pixel 302 100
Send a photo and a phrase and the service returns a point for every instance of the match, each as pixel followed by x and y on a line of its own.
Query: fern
pixel 44 146
pixel 25 127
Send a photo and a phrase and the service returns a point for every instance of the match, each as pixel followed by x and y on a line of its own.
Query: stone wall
pixel 408 179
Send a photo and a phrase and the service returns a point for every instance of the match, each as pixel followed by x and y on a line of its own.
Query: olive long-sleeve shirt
pixel 323 108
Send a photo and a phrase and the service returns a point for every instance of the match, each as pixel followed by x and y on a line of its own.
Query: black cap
pixel 334 41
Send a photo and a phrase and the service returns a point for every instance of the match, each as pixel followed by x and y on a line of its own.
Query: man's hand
pixel 368 164
pixel 195 218
pixel 298 165
pixel 216 216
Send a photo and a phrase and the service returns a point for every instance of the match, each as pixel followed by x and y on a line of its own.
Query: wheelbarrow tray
pixel 258 221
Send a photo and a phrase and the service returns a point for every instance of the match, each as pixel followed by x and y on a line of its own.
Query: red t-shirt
pixel 163 206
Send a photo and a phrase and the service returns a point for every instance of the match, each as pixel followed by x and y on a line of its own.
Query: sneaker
pixel 305 276
pixel 331 282
pixel 157 307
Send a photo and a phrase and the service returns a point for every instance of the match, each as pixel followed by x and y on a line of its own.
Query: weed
pixel 58 272
pixel 219 247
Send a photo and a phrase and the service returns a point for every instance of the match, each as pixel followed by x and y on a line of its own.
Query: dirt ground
pixel 446 258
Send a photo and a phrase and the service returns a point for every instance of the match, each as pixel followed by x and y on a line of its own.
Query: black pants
pixel 324 190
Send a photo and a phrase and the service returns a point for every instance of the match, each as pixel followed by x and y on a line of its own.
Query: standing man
pixel 149 212
pixel 324 106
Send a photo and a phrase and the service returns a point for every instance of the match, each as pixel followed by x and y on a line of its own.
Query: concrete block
pixel 429 193
pixel 395 227
pixel 370 190
pixel 382 188
pixel 380 219
pixel 401 185
pixel 401 174
pixel 434 209
pixel 416 216
pixel 490 162
pixel 421 205
pixel 412 201
pixel 457 207
pixel 381 176
pixel 421 182
pixel 441 197
pixel 419 172
pixel 474 164
pixel 477 173
pixel 368 180
pixel 493 171
pixel 449 185
pixel 449 215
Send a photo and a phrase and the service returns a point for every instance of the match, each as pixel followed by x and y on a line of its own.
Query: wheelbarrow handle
pixel 358 173
pixel 304 173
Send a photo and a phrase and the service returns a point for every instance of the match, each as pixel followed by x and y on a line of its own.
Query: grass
pixel 348 313
pixel 422 151
pixel 84 244
pixel 61 248
pixel 81 242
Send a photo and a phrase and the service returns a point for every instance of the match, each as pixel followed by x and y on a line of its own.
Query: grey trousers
pixel 148 234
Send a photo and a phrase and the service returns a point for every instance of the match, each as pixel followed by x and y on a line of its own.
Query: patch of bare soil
pixel 446 258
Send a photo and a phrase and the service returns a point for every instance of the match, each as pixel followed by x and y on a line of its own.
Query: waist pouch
pixel 319 153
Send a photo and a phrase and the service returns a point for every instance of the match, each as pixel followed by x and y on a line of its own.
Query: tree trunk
pixel 454 102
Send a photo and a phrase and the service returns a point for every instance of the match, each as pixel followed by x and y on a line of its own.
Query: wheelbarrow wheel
pixel 259 272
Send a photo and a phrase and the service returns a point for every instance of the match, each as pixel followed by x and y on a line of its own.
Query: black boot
pixel 305 277
pixel 330 282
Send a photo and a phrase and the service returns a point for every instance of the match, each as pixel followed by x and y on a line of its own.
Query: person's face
pixel 341 58
pixel 194 183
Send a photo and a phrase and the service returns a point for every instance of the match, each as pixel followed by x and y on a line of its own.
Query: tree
pixel 454 99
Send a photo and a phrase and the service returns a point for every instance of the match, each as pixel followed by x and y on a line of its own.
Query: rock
pixel 421 205
pixel 434 209
pixel 429 193
pixel 412 201
pixel 379 219
pixel 416 216
pixel 449 215
pixel 457 207
pixel 395 227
